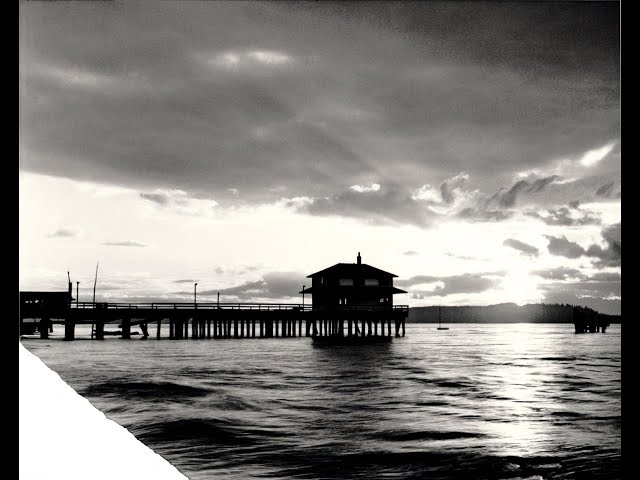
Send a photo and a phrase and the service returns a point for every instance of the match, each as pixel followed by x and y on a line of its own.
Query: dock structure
pixel 220 321
pixel 586 320
pixel 348 300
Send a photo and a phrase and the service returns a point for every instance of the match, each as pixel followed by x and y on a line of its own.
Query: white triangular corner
pixel 63 436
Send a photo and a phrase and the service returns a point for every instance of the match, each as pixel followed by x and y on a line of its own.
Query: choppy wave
pixel 484 402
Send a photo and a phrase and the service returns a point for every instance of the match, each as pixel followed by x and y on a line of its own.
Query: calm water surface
pixel 476 401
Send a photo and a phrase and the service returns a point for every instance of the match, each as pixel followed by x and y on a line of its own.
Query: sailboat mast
pixel 95 281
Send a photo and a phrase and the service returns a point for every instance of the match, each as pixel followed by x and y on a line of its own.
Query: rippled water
pixel 476 401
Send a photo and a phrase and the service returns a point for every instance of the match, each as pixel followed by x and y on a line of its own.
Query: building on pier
pixel 347 301
pixel 42 305
pixel 346 285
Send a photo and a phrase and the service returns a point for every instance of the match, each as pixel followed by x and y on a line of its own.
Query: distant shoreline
pixel 470 322
pixel 503 313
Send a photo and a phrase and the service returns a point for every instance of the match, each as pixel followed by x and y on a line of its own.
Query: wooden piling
pixel 44 327
pixel 158 328
pixel 99 325
pixel 126 328
pixel 69 328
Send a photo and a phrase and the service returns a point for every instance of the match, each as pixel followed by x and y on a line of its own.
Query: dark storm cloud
pixel 62 233
pixel 508 199
pixel 388 204
pixel 159 198
pixel 560 246
pixel 186 280
pixel 273 285
pixel 541 183
pixel 410 253
pixel 559 273
pixel 479 214
pixel 524 248
pixel 500 205
pixel 547 192
pixel 125 243
pixel 217 97
pixel 466 283
pixel 605 190
pixel 611 255
pixel 605 277
pixel 563 216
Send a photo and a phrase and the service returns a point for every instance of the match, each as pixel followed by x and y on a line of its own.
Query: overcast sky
pixel 473 149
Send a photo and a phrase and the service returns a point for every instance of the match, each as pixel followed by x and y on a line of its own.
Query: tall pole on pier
pixel 195 300
pixel 218 300
pixel 303 287
pixel 95 281
pixel 77 294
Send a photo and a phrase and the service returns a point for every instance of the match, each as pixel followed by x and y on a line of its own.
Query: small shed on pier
pixel 352 285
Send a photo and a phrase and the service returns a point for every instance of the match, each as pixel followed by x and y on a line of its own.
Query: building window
pixel 371 281
pixel 346 281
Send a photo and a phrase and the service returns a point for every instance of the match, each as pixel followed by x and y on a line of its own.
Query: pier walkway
pixel 218 320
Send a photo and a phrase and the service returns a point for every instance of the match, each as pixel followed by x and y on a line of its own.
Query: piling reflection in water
pixel 482 401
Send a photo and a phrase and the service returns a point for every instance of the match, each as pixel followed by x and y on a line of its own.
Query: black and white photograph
pixel 320 240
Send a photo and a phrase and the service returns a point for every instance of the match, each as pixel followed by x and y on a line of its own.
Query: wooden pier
pixel 586 320
pixel 348 300
pixel 218 320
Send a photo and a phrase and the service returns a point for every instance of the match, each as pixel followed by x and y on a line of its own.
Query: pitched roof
pixel 351 269
pixel 368 288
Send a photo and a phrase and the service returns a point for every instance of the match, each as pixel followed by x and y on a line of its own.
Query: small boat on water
pixel 440 327
pixel 335 340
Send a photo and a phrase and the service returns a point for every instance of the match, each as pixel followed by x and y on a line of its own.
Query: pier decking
pixel 219 320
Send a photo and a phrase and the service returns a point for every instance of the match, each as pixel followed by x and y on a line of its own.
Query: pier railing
pixel 230 306
pixel 191 306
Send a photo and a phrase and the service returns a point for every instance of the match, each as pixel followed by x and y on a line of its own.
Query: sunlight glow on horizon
pixel 221 249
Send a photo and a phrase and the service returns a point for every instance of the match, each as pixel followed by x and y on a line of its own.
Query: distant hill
pixel 502 313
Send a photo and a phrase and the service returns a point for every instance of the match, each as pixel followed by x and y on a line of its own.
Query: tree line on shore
pixel 503 313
